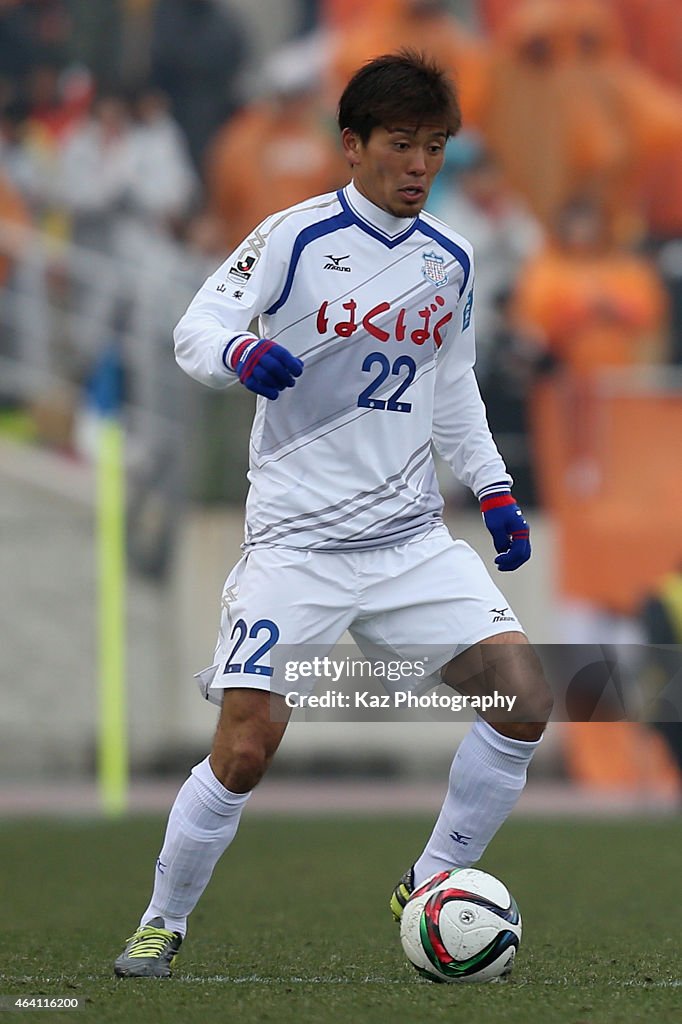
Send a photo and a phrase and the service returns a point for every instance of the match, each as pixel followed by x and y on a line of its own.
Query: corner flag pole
pixel 112 748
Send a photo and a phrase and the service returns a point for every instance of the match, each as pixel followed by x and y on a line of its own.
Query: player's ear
pixel 351 146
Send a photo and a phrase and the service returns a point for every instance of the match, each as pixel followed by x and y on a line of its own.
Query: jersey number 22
pixel 404 368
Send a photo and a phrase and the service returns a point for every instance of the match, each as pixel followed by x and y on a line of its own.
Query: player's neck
pixel 369 211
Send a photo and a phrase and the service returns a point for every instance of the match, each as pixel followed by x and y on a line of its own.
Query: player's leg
pixel 205 816
pixel 433 597
pixel 202 823
pixel 271 597
pixel 488 773
pixel 506 664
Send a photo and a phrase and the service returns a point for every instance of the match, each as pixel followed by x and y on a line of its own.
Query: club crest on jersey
pixel 433 268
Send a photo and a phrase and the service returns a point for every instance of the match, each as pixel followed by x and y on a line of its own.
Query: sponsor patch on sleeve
pixel 466 317
pixel 242 268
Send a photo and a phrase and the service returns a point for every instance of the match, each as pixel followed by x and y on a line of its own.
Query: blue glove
pixel 509 530
pixel 265 367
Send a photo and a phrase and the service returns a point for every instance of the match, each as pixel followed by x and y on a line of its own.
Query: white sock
pixel 487 776
pixel 202 823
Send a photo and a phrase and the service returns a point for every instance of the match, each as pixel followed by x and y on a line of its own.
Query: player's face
pixel 395 168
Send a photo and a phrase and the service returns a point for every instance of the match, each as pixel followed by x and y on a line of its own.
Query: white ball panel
pixel 480 883
pixel 409 933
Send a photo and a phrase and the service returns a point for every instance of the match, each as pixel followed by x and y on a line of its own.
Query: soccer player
pixel 363 359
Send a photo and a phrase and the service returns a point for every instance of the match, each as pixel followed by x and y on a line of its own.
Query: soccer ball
pixel 461 925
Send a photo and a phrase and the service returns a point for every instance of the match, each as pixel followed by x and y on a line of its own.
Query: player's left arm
pixel 462 437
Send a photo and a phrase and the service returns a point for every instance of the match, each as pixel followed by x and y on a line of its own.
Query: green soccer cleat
pixel 401 894
pixel 149 953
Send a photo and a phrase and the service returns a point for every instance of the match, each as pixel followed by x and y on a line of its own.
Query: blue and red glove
pixel 509 529
pixel 263 366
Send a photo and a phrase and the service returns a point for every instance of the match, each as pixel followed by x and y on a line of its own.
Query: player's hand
pixel 267 368
pixel 509 530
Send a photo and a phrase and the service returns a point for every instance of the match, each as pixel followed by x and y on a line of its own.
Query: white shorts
pixel 431 595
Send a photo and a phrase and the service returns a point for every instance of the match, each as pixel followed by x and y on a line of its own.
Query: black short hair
pixel 396 89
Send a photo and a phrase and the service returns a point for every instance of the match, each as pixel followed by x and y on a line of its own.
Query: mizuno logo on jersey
pixel 335 263
pixel 498 615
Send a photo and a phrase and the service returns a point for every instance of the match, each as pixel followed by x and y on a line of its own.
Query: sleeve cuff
pixel 493 490
pixel 233 350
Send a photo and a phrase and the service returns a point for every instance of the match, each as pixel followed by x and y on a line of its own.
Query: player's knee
pixel 529 732
pixel 243 767
pixel 532 712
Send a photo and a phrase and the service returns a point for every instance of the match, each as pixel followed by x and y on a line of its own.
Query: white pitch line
pixel 257 979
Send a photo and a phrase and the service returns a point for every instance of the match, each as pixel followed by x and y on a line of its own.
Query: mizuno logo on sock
pixel 459 837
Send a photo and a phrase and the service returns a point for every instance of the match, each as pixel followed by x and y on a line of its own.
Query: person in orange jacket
pixel 427 26
pixel 594 307
pixel 652 30
pixel 567 110
pixel 594 304
pixel 13 215
pixel 589 305
pixel 290 153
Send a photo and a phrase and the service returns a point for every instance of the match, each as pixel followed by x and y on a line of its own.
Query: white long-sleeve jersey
pixel 380 309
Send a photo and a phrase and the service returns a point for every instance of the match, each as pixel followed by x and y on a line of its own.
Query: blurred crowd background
pixel 140 140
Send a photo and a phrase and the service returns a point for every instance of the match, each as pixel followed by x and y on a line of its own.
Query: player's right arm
pixel 213 343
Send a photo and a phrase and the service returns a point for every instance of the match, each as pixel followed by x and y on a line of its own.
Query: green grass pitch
pixel 295 927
